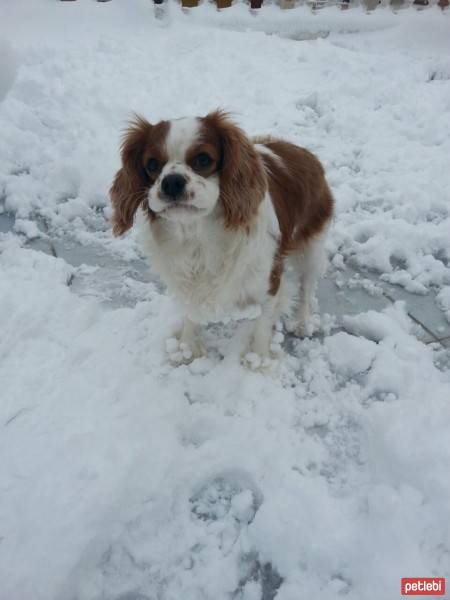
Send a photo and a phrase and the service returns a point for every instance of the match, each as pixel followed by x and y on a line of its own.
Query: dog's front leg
pixel 187 344
pixel 260 351
pixel 190 338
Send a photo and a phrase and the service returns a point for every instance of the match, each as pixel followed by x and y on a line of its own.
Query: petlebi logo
pixel 423 586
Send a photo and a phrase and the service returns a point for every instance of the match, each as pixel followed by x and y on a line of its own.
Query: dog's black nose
pixel 173 185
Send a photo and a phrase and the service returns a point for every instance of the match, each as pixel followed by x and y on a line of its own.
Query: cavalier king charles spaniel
pixel 221 215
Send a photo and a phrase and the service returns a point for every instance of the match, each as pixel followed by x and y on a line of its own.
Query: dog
pixel 221 215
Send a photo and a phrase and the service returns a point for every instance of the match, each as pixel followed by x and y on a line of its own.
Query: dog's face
pixel 186 169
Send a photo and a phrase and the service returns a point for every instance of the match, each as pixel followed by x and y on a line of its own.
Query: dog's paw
pixel 275 347
pixel 260 363
pixel 263 357
pixel 306 327
pixel 182 353
pixel 255 362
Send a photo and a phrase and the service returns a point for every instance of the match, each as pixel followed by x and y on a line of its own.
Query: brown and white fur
pixel 223 214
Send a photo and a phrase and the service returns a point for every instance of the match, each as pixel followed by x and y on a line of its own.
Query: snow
pixel 126 478
pixel 8 67
pixel 443 299
pixel 349 354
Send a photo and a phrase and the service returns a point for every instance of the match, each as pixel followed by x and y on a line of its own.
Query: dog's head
pixel 186 169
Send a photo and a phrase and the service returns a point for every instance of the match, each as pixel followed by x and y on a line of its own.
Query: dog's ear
pixel 242 177
pixel 130 185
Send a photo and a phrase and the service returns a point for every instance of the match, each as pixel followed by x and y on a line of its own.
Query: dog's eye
pixel 152 165
pixel 202 161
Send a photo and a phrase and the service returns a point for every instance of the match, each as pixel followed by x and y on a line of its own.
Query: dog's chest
pixel 211 270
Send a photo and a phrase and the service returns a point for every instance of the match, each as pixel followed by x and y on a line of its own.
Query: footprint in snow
pixel 229 495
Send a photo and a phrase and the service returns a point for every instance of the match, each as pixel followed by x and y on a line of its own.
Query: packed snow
pixel 123 477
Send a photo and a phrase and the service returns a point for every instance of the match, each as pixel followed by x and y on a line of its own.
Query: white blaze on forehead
pixel 182 134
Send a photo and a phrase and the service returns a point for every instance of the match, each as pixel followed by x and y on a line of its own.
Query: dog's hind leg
pixel 261 349
pixel 311 263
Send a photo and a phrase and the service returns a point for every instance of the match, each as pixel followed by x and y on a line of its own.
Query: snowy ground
pixel 124 478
